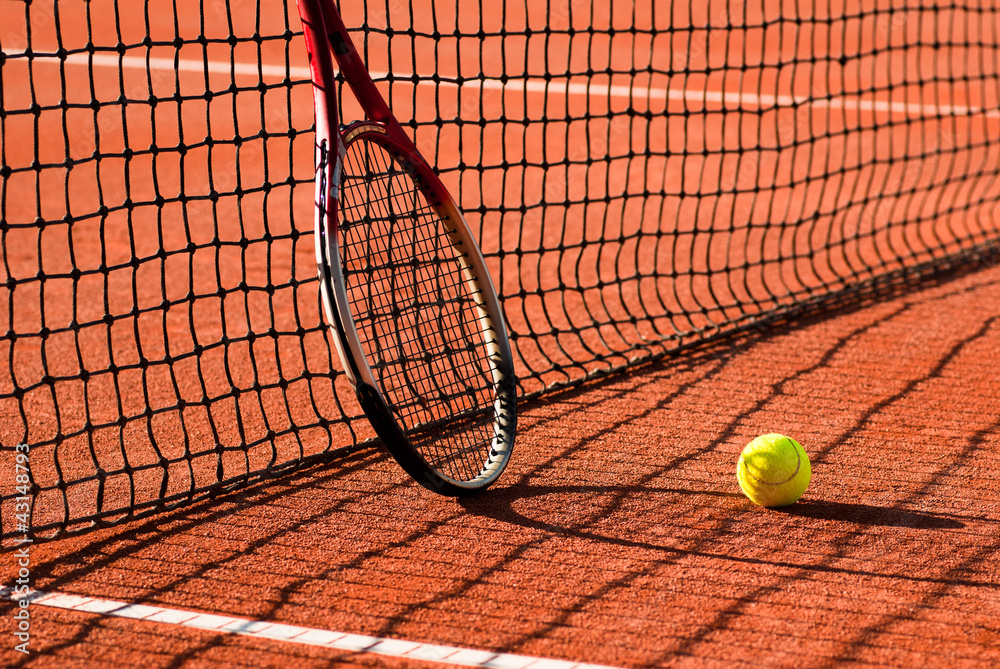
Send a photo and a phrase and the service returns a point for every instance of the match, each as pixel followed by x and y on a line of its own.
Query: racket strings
pixel 416 313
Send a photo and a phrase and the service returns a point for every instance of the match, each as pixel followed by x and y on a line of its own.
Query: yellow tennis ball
pixel 773 470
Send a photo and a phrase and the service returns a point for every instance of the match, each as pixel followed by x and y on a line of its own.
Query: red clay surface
pixel 619 534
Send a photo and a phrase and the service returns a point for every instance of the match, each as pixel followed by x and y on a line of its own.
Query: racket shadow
pixel 501 505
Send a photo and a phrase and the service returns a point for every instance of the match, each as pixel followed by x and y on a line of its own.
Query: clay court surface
pixel 619 535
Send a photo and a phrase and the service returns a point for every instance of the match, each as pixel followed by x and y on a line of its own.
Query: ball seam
pixel 798 465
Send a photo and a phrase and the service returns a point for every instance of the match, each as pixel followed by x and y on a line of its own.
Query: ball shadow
pixel 865 514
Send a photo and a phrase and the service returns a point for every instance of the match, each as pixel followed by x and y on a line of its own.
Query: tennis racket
pixel 414 315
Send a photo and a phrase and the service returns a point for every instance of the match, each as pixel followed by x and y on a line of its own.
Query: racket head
pixel 418 322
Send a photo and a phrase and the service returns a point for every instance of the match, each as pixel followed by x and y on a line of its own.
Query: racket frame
pixel 326 34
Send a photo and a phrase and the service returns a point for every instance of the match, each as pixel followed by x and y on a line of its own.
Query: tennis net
pixel 643 177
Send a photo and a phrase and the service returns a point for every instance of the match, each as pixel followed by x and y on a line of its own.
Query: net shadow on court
pixel 620 535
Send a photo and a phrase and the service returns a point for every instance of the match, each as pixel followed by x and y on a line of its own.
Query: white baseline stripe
pixel 185 65
pixel 733 100
pixel 259 629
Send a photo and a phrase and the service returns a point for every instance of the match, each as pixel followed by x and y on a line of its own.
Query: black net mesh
pixel 643 176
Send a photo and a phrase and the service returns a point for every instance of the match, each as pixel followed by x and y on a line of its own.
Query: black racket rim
pixel 414 442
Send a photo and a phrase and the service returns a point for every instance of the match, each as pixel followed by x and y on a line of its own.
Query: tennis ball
pixel 773 470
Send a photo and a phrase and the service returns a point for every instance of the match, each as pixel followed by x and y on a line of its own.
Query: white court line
pixel 184 65
pixel 731 100
pixel 260 629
